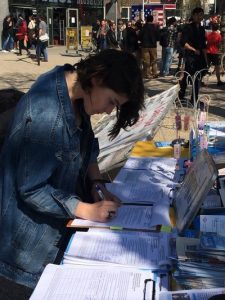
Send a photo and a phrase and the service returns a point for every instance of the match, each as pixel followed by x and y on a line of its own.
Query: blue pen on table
pixel 99 191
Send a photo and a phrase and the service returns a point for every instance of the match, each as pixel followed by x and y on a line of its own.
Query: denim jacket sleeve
pixel 35 185
pixel 46 176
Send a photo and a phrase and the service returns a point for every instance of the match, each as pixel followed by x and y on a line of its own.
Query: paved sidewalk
pixel 21 71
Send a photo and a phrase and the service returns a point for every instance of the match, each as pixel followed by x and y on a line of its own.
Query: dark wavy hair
pixel 120 72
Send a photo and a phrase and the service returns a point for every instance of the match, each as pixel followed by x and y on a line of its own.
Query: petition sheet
pixel 146 180
pixel 140 191
pixel 143 250
pixel 133 217
pixel 80 282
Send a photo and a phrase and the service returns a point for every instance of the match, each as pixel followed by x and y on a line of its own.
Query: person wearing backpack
pixel 168 37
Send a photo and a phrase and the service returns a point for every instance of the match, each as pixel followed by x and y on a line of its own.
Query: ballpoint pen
pixel 99 191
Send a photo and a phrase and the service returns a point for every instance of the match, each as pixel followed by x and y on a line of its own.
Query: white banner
pixel 114 152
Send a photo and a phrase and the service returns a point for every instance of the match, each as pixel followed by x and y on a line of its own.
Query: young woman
pixel 51 152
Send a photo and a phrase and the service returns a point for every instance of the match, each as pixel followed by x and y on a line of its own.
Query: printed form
pixel 80 282
pixel 144 250
pixel 132 217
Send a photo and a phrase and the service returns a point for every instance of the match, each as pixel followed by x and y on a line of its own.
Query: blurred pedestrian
pixel 7 35
pixel 194 42
pixel 101 35
pixel 149 35
pixel 32 41
pixel 168 38
pixel 130 39
pixel 42 42
pixel 111 39
pixel 214 39
pixel 22 35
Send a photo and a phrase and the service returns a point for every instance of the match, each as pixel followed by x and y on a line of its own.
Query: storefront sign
pixel 86 37
pixel 90 2
pixel 58 1
pixel 71 38
pixel 84 2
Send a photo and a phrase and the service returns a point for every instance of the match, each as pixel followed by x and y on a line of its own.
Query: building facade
pixel 59 14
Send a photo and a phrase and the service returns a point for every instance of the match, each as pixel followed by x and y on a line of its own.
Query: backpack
pixel 164 37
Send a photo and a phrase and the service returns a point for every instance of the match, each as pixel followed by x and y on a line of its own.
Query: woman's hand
pixel 101 211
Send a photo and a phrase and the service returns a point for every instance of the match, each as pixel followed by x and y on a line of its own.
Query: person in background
pixel 138 28
pixel 149 35
pixel 21 34
pixel 95 29
pixel 42 45
pixel 168 40
pixel 194 42
pixel 48 163
pixel 111 37
pixel 213 41
pixel 130 39
pixel 101 35
pixel 7 35
pixel 180 49
pixel 120 28
pixel 31 32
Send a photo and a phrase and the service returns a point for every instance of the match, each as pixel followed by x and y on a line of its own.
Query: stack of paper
pixel 95 283
pixel 143 250
pixel 146 180
pixel 201 262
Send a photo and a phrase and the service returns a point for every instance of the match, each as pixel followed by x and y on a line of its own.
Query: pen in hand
pixel 99 191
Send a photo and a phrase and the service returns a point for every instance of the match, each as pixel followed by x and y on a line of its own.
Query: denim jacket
pixel 39 166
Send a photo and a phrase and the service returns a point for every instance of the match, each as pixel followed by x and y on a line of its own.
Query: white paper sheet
pixel 143 250
pixel 151 163
pixel 90 283
pixel 138 192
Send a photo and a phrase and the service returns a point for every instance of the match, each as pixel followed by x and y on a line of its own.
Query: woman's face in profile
pixel 102 99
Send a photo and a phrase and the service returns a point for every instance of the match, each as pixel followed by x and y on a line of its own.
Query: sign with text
pixel 71 38
pixel 86 37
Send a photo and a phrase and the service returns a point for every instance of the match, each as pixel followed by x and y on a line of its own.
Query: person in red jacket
pixel 213 40
pixel 21 34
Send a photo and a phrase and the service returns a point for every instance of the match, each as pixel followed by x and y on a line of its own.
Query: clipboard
pixel 197 183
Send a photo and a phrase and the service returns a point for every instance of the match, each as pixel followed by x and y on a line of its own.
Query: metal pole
pixel 116 19
pixel 143 10
pixel 38 42
pixel 37 34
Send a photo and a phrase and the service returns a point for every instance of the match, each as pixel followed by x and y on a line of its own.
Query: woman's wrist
pixel 83 210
